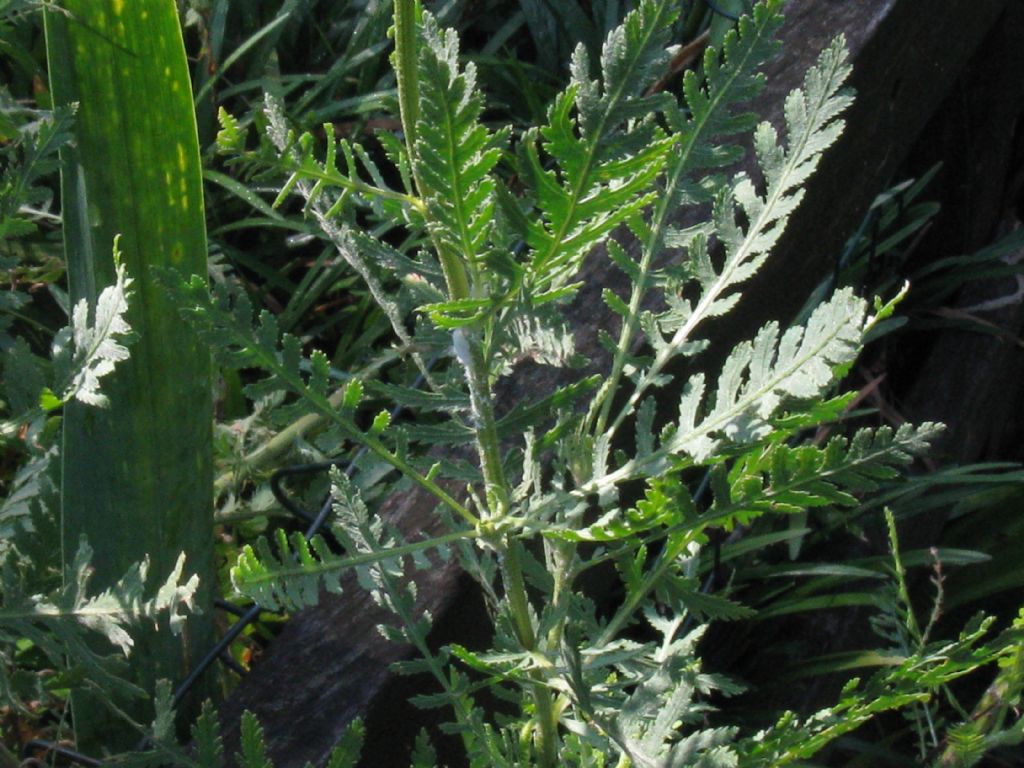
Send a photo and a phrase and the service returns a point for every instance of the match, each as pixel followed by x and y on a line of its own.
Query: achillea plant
pixel 544 504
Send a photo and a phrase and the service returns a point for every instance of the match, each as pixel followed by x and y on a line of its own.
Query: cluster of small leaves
pixel 812 126
pixel 316 181
pixel 703 125
pixel 607 150
pixel 32 139
pixel 83 353
pixel 62 624
pixel 913 682
pixel 990 724
pixel 785 479
pixel 635 699
pixel 164 748
pixel 758 378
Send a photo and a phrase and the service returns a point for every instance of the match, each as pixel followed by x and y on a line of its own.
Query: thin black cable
pixel 59 750
pixel 717 9
pixel 224 605
pixel 315 524
pixel 228 661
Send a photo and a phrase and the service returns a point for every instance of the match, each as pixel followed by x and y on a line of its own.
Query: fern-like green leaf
pixel 349 747
pixel 423 754
pixel 455 153
pixel 63 625
pixel 709 116
pixel 812 126
pixel 606 153
pixel 111 611
pixel 291 577
pixel 254 749
pixel 206 736
pixel 759 375
pixel 787 479
pixel 757 378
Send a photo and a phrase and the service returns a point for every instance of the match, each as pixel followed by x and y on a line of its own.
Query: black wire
pixel 224 605
pixel 297 470
pixel 228 661
pixel 315 522
pixel 59 750
pixel 715 8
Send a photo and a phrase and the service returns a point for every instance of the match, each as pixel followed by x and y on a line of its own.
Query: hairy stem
pixel 406 71
pixel 518 601
pixel 406 66
pixel 469 350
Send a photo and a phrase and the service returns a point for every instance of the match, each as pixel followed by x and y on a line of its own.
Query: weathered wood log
pixel 977 136
pixel 330 664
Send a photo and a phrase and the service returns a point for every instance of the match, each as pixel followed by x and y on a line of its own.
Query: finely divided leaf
pixel 606 153
pixel 760 375
pixel 95 348
pixel 455 153
pixel 812 125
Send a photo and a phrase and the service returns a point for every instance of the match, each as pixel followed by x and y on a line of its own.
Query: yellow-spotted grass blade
pixel 137 476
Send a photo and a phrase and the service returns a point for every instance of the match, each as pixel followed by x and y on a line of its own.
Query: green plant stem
pixel 518 601
pixel 468 347
pixel 406 65
pixel 470 352
pixel 322 403
pixel 407 70
pixel 346 183
pixel 694 21
pixel 353 561
pixel 276 446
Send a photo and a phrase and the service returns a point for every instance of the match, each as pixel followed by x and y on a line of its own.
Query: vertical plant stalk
pixel 470 353
pixel 137 476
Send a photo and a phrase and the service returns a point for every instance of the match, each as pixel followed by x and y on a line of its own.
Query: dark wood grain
pixel 330 664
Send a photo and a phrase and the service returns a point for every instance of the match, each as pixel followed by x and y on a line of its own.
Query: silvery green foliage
pixel 64 623
pixel 97 346
pixel 83 353
pixel 64 620
pixel 492 266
